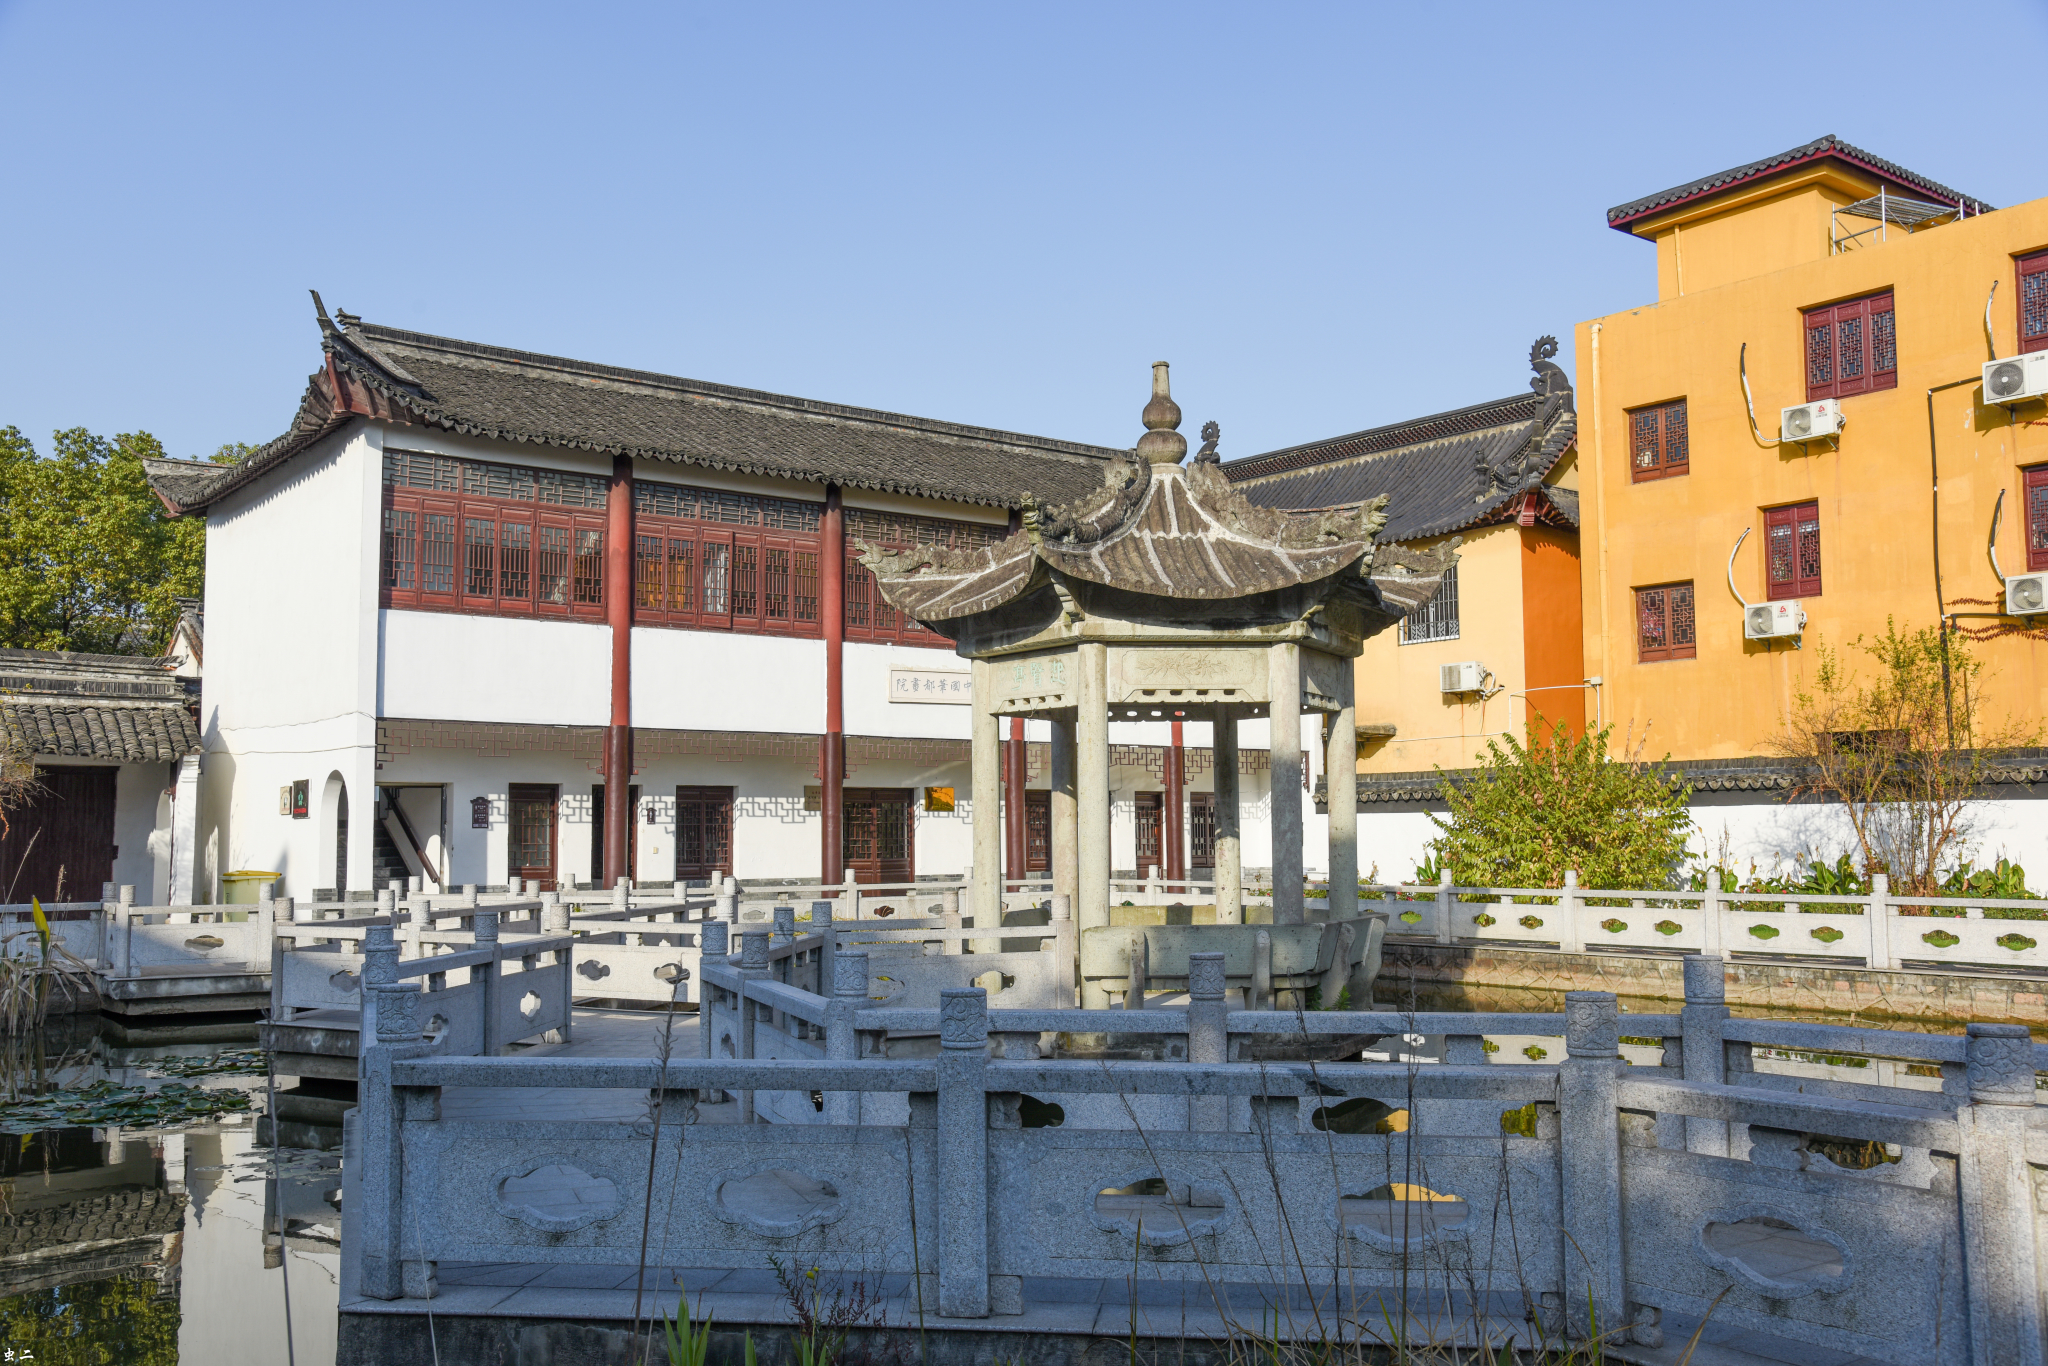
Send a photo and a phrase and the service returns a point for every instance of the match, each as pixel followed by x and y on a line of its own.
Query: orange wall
pixel 1873 486
pixel 1553 653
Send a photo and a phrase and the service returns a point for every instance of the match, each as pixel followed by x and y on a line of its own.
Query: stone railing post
pixel 1261 993
pixel 280 914
pixel 1571 934
pixel 852 895
pixel 725 902
pixel 1208 1037
pixel 753 967
pixel 963 1153
pixel 485 927
pixel 387 900
pixel 1713 916
pixel 1877 923
pixel 828 945
pixel 1590 1160
pixel 1444 901
pixel 849 989
pixel 1155 890
pixel 711 951
pixel 782 926
pixel 622 894
pixel 1066 943
pixel 116 936
pixel 1997 1197
pixel 386 1273
pixel 380 969
pixel 1701 1057
pixel 554 913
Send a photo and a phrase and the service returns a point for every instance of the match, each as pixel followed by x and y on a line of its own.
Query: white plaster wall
pixel 1394 840
pixel 869 710
pixel 527 671
pixel 773 836
pixel 721 680
pixel 1773 836
pixel 291 681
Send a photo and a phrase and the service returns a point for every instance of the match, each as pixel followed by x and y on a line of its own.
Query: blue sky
pixel 1327 217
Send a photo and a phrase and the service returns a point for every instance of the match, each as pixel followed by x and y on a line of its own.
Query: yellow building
pixel 1849 289
pixel 1502 638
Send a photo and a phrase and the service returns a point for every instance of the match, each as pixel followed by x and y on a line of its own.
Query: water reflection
pixel 159 1245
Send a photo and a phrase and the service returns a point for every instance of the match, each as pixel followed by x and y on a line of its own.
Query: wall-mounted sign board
pixel 931 685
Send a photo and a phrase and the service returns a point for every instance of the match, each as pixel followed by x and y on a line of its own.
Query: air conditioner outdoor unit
pixel 2026 595
pixel 2017 379
pixel 1772 620
pixel 1466 676
pixel 1810 421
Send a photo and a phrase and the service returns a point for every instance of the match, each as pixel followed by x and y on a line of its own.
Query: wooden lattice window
pixel 1851 347
pixel 1792 538
pixel 471 536
pixel 868 614
pixel 1658 447
pixel 2037 516
pixel 1665 624
pixel 2033 301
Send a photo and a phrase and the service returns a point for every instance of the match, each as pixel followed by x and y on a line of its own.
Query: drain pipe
pixel 1948 700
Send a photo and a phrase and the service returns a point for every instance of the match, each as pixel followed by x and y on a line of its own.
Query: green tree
pixel 1904 752
pixel 1532 811
pixel 89 560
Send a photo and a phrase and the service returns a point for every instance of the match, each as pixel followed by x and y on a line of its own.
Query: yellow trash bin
pixel 240 888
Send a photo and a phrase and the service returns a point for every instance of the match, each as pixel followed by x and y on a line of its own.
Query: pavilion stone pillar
pixel 1091 785
pixel 1066 861
pixel 1340 767
pixel 1229 852
pixel 984 760
pixel 1283 663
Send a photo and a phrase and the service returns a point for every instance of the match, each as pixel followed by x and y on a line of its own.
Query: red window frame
pixel 1667 626
pixel 868 614
pixel 1792 551
pixel 1659 445
pixel 2032 301
pixel 715 560
pixel 2034 495
pixel 1851 347
pixel 504 540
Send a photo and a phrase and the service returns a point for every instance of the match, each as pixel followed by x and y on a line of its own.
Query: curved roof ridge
pixel 375 333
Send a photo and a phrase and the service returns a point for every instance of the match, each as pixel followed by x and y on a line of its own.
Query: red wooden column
pixel 1015 851
pixel 832 747
pixel 618 611
pixel 1170 819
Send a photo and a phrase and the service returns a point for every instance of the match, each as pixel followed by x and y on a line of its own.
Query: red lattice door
pixel 532 833
pixel 703 834
pixel 1151 813
pixel 880 834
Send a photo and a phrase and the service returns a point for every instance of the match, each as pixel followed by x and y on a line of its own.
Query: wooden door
pixel 1202 831
pixel 880 834
pixel 532 833
pixel 1151 808
pixel 597 833
pixel 703 834
pixel 59 845
pixel 1037 832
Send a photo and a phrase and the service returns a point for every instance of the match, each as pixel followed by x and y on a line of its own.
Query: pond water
pixel 142 1239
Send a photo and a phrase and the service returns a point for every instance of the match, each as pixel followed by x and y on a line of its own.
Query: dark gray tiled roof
pixel 183 482
pixel 1441 473
pixel 114 707
pixel 1901 179
pixel 519 396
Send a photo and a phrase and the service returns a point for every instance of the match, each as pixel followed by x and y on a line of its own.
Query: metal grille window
pixel 1794 550
pixel 1665 625
pixel 2033 301
pixel 1438 619
pixel 1657 441
pixel 1851 348
pixel 2037 516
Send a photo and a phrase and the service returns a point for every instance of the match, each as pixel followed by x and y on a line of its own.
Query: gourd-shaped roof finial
pixel 1162 444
